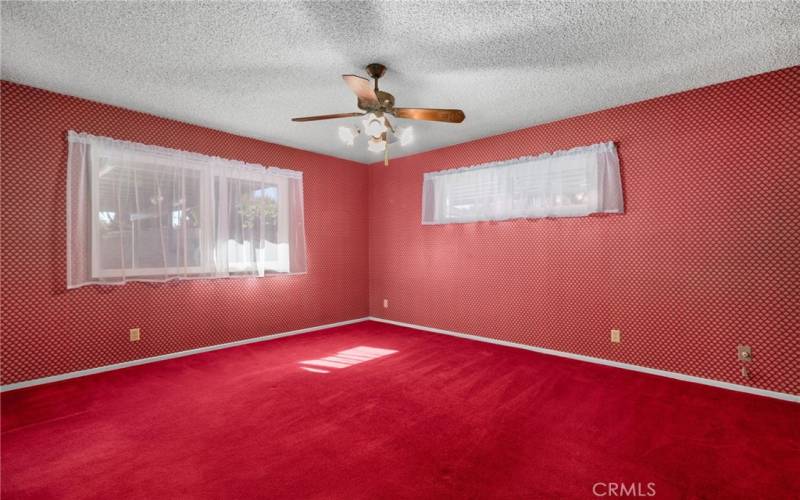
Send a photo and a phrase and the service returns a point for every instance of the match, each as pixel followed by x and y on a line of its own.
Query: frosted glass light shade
pixel 348 134
pixel 376 145
pixel 405 134
pixel 374 125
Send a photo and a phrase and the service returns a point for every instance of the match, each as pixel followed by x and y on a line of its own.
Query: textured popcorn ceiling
pixel 247 68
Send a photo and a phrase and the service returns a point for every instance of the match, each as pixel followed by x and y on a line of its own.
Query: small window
pixel 572 183
pixel 140 212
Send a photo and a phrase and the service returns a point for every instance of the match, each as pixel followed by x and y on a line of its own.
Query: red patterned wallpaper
pixel 48 330
pixel 707 255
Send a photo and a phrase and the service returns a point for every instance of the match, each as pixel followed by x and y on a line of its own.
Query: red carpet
pixel 439 418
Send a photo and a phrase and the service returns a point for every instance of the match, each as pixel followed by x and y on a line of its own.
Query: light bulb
pixel 374 125
pixel 406 135
pixel 348 134
pixel 376 144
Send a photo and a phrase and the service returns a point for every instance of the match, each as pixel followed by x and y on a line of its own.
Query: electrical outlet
pixel 386 303
pixel 616 336
pixel 744 353
pixel 136 334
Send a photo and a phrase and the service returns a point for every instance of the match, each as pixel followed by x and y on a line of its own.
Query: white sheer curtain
pixel 569 183
pixel 145 213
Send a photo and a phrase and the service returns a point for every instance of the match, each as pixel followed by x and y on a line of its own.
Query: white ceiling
pixel 247 68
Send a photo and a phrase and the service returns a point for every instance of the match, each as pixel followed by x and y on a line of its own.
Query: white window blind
pixel 138 212
pixel 569 183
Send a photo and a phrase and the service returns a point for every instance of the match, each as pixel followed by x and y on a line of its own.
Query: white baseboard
pixel 180 354
pixel 652 371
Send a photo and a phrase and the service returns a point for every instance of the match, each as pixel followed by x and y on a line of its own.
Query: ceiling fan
pixel 376 105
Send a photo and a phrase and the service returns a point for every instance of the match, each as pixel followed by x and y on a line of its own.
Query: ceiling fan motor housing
pixel 385 103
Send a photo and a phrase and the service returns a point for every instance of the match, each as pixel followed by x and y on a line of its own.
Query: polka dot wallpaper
pixel 47 330
pixel 706 257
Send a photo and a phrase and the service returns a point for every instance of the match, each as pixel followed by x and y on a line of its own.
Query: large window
pixel 138 212
pixel 570 183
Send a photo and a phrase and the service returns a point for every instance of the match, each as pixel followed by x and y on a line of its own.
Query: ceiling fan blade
pixel 362 88
pixel 430 114
pixel 325 117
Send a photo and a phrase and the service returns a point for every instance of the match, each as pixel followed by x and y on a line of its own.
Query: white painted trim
pixel 180 354
pixel 579 357
pixel 600 361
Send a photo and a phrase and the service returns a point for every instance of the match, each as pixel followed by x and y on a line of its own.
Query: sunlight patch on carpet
pixel 346 358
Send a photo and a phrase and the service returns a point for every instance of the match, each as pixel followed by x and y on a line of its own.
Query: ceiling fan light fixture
pixel 375 108
pixel 374 125
pixel 348 134
pixel 376 144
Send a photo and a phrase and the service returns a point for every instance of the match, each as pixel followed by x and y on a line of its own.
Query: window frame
pixel 207 225
pixel 283 261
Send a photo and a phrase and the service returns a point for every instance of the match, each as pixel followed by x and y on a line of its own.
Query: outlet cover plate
pixel 744 353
